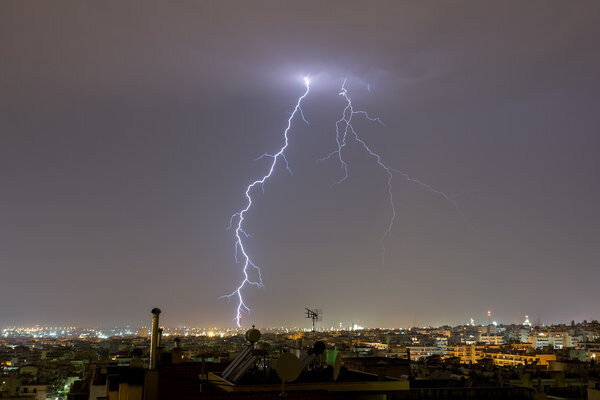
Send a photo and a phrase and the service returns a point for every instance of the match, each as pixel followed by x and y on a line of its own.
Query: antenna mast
pixel 315 315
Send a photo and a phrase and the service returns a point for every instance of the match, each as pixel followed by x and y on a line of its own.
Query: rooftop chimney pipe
pixel 154 338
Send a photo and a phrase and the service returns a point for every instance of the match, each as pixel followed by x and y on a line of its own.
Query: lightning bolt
pixel 241 254
pixel 343 130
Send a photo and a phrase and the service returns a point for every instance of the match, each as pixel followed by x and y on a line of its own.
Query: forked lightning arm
pixel 245 259
pixel 343 128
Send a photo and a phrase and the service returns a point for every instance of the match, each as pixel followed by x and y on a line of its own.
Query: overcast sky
pixel 128 133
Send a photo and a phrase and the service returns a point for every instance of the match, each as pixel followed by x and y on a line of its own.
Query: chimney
pixel 177 353
pixel 154 339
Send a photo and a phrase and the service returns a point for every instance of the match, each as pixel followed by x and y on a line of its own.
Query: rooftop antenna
pixel 315 315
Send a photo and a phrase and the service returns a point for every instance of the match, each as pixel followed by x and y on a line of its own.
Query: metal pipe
pixel 154 338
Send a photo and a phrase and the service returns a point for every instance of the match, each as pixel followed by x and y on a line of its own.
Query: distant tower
pixel 489 322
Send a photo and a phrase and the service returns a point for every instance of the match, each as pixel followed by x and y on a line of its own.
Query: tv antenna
pixel 315 315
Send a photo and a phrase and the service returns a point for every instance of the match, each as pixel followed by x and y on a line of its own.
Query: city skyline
pixel 54 332
pixel 128 136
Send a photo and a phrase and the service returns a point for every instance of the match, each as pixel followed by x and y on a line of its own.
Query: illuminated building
pixel 470 353
pixel 419 352
pixel 492 339
pixel 474 353
pixel 513 360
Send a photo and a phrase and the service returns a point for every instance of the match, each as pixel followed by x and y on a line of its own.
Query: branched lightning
pixel 241 256
pixel 344 128
pixel 251 273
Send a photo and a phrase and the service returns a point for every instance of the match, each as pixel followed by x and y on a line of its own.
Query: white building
pixel 441 342
pixel 492 339
pixel 540 340
pixel 418 352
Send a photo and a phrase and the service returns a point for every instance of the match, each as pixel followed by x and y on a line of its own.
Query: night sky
pixel 128 133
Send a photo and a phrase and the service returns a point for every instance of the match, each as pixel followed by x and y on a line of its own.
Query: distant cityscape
pixel 82 363
pixel 40 331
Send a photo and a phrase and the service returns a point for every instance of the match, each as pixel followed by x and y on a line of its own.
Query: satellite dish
pixel 337 366
pixel 253 335
pixel 288 367
pixel 319 347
